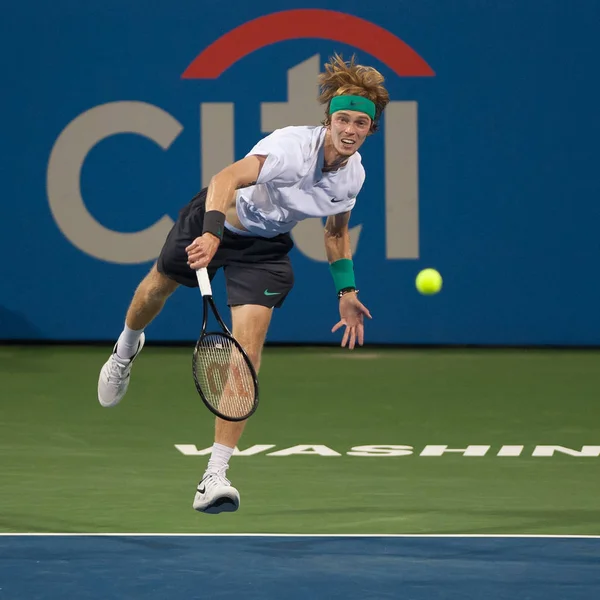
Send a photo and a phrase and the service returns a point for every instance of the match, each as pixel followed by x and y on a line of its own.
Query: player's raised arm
pixel 219 198
pixel 339 255
pixel 222 186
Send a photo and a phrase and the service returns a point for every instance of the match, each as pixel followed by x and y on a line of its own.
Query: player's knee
pixel 254 353
pixel 250 324
pixel 157 287
pixel 255 359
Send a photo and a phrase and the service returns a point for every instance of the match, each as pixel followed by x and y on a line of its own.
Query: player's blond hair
pixel 347 78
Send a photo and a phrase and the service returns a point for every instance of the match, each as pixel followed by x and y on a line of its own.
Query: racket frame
pixel 208 301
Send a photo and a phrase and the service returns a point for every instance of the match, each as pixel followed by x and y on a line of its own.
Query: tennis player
pixel 242 223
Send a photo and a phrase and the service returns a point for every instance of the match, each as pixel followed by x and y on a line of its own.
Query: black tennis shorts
pixel 257 270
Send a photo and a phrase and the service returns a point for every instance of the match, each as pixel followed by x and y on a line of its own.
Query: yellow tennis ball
pixel 429 282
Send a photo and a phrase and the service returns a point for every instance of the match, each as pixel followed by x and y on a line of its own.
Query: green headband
pixel 352 103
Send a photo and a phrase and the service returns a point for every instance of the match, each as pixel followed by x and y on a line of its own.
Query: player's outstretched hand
pixel 201 251
pixel 352 314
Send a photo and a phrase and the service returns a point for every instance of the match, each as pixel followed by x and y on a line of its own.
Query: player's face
pixel 349 129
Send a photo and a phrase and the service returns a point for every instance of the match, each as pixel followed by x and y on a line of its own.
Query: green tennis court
pixel 527 420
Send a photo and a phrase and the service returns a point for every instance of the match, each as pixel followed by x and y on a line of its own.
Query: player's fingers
pixel 338 325
pixel 200 253
pixel 352 338
pixel 194 251
pixel 194 258
pixel 345 338
pixel 365 311
pixel 360 334
pixel 198 264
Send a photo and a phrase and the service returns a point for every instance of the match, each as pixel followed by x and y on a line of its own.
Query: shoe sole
pixel 219 506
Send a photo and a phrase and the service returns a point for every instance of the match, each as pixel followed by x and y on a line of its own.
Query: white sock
pixel 219 459
pixel 128 342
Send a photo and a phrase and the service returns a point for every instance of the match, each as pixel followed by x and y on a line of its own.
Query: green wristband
pixel 342 271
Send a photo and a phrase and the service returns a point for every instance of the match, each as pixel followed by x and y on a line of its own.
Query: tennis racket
pixel 224 376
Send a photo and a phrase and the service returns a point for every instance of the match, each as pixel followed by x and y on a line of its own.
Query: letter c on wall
pixel 64 173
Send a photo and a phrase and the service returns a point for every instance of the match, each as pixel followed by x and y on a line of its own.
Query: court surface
pixel 488 444
pixel 430 568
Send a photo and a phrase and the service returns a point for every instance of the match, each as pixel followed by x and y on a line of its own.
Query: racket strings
pixel 224 376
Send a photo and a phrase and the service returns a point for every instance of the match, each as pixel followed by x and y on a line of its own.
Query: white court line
pixel 309 535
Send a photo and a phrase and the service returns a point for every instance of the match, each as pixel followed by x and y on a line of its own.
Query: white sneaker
pixel 215 494
pixel 115 375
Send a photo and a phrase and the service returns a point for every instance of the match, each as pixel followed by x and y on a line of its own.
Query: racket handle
pixel 204 281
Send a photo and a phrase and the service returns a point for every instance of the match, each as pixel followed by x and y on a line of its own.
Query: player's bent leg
pixel 147 302
pixel 149 299
pixel 215 494
pixel 250 324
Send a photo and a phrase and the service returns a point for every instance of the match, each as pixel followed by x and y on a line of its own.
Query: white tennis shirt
pixel 291 185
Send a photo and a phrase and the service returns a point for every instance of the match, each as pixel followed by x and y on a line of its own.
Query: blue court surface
pixel 39 566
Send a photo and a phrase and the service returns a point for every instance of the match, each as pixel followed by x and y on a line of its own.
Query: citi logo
pixel 217 136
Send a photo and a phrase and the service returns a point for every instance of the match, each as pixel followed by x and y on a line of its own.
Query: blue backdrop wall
pixel 116 113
